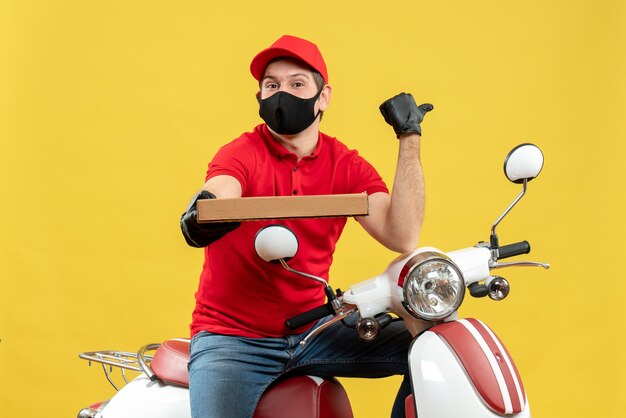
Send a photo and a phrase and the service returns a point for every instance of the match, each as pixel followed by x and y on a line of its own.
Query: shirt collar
pixel 280 151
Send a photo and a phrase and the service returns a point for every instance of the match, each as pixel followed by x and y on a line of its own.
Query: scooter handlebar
pixel 511 250
pixel 309 316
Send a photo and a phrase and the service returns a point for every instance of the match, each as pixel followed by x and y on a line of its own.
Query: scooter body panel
pixel 144 398
pixel 449 377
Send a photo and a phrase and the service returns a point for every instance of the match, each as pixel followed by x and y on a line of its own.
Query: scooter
pixel 458 367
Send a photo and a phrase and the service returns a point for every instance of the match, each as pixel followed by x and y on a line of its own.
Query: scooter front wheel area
pixel 460 368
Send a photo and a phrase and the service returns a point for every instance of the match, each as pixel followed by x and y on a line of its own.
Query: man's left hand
pixel 403 114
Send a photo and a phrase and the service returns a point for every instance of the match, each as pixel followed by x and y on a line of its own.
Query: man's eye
pixel 298 84
pixel 271 86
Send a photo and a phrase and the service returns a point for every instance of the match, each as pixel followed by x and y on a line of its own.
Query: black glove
pixel 403 114
pixel 201 235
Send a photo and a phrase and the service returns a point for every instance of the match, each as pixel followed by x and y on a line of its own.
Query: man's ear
pixel 325 95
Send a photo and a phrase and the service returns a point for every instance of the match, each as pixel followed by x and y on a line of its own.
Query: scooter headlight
pixel 433 286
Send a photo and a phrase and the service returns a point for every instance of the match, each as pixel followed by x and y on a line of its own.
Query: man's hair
pixel 320 83
pixel 319 80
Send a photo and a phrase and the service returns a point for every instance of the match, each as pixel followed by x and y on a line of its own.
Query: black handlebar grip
pixel 511 250
pixel 309 316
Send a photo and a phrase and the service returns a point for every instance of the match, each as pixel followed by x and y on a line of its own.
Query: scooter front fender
pixel 142 398
pixel 460 368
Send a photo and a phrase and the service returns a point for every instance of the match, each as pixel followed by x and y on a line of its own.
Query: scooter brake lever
pixel 497 265
pixel 343 313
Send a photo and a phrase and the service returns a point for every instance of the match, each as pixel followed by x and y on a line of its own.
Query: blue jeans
pixel 228 374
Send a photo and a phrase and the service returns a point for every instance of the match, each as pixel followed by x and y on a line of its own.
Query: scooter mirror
pixel 275 242
pixel 524 162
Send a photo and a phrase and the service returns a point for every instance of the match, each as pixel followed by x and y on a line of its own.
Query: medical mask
pixel 287 114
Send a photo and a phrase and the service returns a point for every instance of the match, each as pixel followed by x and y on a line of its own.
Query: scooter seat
pixel 296 396
pixel 305 397
pixel 170 362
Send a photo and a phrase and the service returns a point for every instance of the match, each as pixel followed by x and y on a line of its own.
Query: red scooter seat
pixel 297 396
pixel 305 397
pixel 170 362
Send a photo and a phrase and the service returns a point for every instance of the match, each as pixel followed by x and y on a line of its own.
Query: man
pixel 240 344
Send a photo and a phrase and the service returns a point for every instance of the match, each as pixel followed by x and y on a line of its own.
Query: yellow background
pixel 110 111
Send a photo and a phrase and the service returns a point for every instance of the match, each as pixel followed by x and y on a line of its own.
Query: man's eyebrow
pixel 294 75
pixel 299 75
